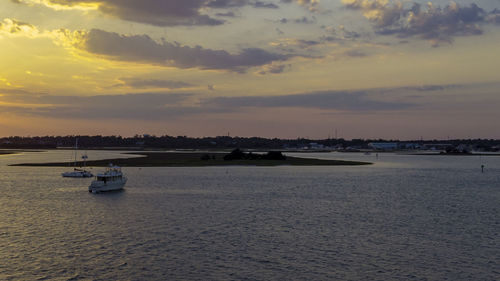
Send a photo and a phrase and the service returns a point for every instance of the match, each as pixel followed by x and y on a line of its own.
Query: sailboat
pixel 78 173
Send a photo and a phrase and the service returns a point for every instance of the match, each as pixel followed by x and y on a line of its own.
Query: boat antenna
pixel 84 157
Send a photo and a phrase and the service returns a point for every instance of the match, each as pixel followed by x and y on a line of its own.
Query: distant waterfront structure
pixel 437 146
pixel 315 145
pixel 383 145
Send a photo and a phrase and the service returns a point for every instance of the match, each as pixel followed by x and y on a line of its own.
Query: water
pixel 404 218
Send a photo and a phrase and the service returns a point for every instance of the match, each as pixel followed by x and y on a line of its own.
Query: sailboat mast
pixel 76 148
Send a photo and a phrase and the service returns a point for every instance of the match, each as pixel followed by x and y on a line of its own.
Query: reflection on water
pixel 403 218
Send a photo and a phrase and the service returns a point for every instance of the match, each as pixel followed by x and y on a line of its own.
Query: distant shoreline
pixel 453 154
pixel 17 151
pixel 194 159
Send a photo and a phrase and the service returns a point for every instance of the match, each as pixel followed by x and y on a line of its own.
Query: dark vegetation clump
pixel 206 157
pixel 274 155
pixel 237 154
pixel 456 150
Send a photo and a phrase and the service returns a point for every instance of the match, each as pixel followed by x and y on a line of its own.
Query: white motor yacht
pixel 111 179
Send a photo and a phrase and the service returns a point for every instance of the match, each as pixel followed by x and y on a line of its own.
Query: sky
pixel 268 68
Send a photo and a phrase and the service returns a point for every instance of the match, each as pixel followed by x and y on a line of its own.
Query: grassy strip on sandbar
pixel 194 159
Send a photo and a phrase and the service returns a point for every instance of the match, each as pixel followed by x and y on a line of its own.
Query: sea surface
pixel 404 218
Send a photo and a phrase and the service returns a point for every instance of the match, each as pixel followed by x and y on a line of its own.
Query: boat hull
pixel 101 186
pixel 77 174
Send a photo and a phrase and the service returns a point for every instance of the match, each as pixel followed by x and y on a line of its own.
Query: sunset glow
pixel 277 68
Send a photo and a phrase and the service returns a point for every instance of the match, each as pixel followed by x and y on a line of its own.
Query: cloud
pixel 259 4
pixel 432 23
pixel 338 34
pixel 226 14
pixel 493 16
pixel 20 95
pixel 63 37
pixel 325 100
pixel 153 83
pixel 141 48
pixel 143 106
pixel 355 53
pixel 167 106
pixel 380 12
pixel 302 20
pixel 288 44
pixel 333 35
pixel 274 69
pixel 221 4
pixel 311 5
pixel 13 27
pixel 154 12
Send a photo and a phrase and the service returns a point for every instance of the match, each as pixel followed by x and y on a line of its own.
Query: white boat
pixel 111 179
pixel 78 173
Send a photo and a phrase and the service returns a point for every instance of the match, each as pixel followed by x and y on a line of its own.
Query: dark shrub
pixel 274 155
pixel 236 154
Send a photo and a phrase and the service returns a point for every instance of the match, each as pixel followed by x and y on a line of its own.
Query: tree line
pixel 219 142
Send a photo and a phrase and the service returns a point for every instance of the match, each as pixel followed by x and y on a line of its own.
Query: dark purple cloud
pixel 163 12
pixel 141 106
pixel 154 12
pixel 302 20
pixel 432 23
pixel 141 48
pixel 226 14
pixel 260 4
pixel 221 4
pixel 327 100
pixel 339 33
pixel 164 106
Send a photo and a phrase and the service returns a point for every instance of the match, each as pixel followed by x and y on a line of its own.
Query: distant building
pixel 314 145
pixel 437 146
pixel 411 146
pixel 463 148
pixel 383 145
